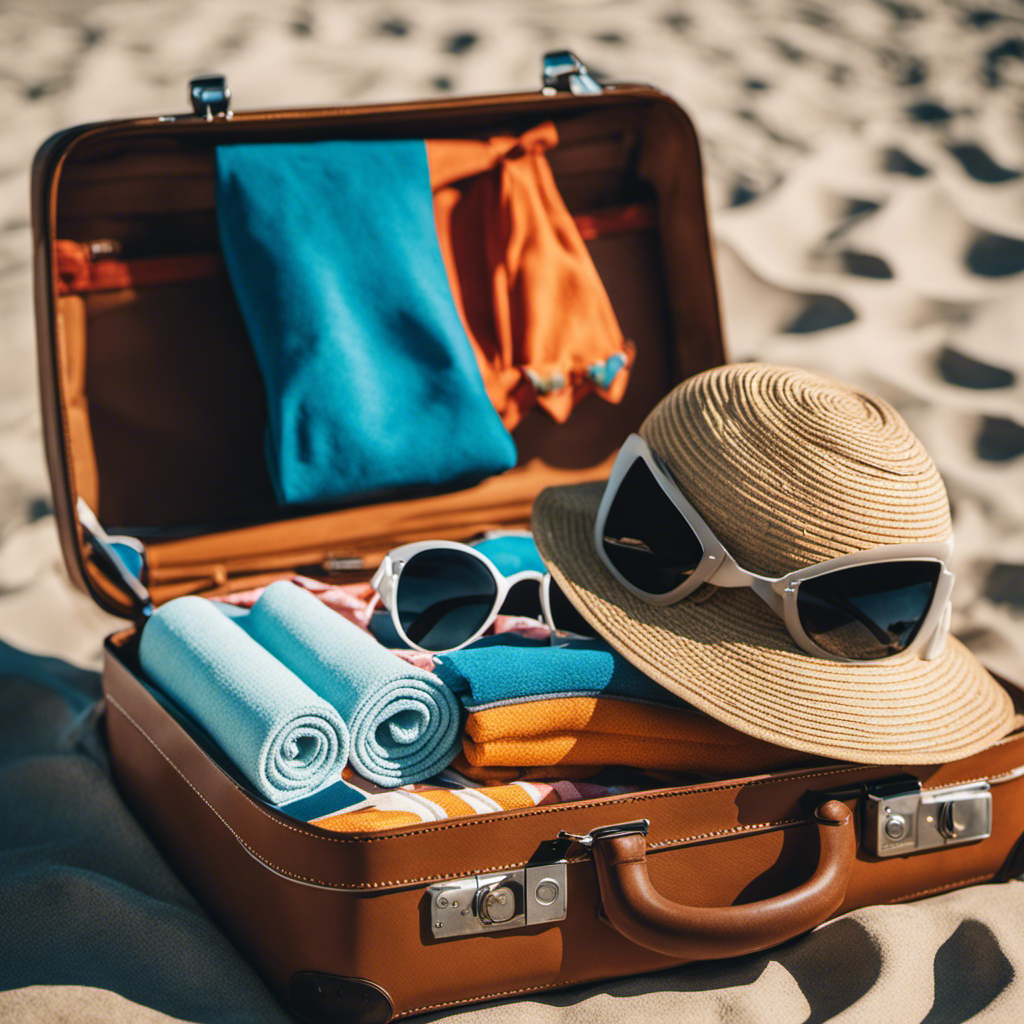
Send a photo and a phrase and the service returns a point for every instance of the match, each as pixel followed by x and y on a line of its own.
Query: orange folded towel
pixel 587 730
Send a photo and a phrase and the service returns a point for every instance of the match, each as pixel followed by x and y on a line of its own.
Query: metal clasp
pixel 624 828
pixel 563 71
pixel 901 818
pixel 210 96
pixel 495 903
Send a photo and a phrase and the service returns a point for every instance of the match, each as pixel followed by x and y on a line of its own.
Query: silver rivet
pixel 546 892
pixel 896 827
pixel 442 901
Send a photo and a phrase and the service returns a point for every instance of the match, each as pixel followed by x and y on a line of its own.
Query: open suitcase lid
pixel 164 444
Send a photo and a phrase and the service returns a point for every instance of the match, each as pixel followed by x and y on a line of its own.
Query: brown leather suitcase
pixel 153 417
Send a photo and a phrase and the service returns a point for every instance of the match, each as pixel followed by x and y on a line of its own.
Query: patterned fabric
pixel 357 602
pixel 453 796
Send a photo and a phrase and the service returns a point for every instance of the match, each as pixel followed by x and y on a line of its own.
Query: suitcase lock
pixel 499 902
pixel 900 818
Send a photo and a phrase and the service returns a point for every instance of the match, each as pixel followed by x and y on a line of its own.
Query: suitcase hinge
pixel 563 71
pixel 901 818
pixel 210 96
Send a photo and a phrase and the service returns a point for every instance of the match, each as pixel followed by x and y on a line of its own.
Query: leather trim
pixel 361 838
pixel 480 999
pixel 635 907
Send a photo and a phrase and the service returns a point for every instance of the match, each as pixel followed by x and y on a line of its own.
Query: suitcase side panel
pixel 279 889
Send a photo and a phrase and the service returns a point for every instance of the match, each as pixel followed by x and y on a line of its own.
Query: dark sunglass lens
pixel 867 611
pixel 565 616
pixel 444 597
pixel 646 537
pixel 523 599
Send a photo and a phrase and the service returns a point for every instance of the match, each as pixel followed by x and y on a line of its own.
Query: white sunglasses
pixel 858 607
pixel 443 595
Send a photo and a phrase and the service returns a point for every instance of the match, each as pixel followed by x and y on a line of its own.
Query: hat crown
pixel 789 468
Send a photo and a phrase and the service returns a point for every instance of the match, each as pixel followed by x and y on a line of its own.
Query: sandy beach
pixel 863 170
pixel 865 175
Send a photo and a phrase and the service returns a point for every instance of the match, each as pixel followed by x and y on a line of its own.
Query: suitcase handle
pixel 634 908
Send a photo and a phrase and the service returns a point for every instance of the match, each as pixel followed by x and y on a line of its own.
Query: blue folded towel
pixel 281 736
pixel 512 669
pixel 511 553
pixel 371 382
pixel 404 721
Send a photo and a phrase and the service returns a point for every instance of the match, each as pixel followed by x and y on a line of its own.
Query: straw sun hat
pixel 788 469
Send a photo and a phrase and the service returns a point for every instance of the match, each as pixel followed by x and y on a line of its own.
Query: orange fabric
pixel 615 220
pixel 79 271
pixel 368 820
pixel 527 291
pixel 601 731
pixel 423 802
pixel 495 774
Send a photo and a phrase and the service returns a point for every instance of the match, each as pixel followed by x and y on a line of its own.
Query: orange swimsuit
pixel 528 293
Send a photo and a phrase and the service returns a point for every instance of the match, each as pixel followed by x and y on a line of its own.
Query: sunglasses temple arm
pixel 381 581
pixel 937 642
pixel 545 607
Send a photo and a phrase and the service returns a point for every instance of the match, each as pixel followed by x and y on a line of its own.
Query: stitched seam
pixel 303 878
pixel 730 831
pixel 943 888
pixel 223 821
pixel 489 995
pixel 967 782
pixel 532 812
pixel 425 878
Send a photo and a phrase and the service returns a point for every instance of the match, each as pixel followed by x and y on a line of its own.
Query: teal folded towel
pixel 372 385
pixel 404 721
pixel 511 552
pixel 511 669
pixel 280 735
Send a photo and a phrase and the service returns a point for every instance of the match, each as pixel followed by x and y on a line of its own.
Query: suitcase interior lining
pixel 166 406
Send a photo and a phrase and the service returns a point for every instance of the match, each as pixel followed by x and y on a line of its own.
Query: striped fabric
pixel 450 795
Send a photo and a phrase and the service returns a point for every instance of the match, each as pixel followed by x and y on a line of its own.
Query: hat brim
pixel 729 655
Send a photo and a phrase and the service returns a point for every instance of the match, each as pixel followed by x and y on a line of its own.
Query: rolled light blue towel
pixel 282 737
pixel 404 721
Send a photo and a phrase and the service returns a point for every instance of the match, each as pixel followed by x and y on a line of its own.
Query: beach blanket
pixel 97 929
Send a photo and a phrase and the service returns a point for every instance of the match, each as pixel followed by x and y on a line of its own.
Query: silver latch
pixel 499 902
pixel 565 72
pixel 210 96
pixel 900 818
